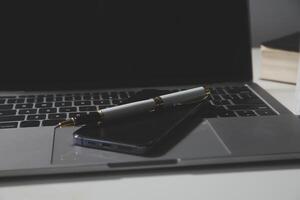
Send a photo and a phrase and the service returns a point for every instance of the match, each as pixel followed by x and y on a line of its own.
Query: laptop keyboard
pixel 50 109
pixel 237 102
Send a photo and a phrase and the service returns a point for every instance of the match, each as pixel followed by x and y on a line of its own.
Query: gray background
pixel 273 18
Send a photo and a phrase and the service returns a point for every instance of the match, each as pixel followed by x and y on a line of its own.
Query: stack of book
pixel 280 59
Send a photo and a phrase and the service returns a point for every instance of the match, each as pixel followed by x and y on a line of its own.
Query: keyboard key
pixel 60 99
pixel 82 103
pixel 63 104
pixel 51 122
pixel 8 97
pixel 220 109
pixel 30 124
pixel 213 91
pixel 43 105
pixel 248 101
pixel 77 98
pixel 221 102
pixel 114 95
pixel 232 96
pixel 30 100
pixel 36 117
pixel 243 89
pixel 96 97
pixel 104 106
pixel 216 97
pixel 246 107
pixel 227 114
pixel 57 116
pixel 105 95
pixel 246 113
pixel 22 106
pixel 27 111
pixel 6 106
pixel 220 90
pixel 49 99
pixel 26 96
pixel 7 112
pixel 39 99
pixel 101 102
pixel 12 118
pixel 123 95
pixel 87 97
pixel 265 112
pixel 8 125
pixel 253 96
pixel 2 101
pixel 68 109
pixel 49 96
pixel 77 114
pixel 88 108
pixel 244 96
pixel 248 96
pixel 117 101
pixel 15 100
pixel 47 110
pixel 69 98
pixel 209 97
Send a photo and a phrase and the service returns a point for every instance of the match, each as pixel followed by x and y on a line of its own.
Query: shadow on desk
pixel 115 175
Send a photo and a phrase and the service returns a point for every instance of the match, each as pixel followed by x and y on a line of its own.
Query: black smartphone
pixel 140 135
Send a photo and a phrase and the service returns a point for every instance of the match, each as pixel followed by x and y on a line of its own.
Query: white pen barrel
pixel 183 96
pixel 144 106
pixel 127 110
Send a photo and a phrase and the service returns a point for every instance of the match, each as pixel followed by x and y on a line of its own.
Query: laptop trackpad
pixel 201 142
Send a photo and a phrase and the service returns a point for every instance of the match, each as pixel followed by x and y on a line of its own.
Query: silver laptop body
pixel 63 59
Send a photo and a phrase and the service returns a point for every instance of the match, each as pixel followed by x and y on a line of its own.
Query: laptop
pixel 64 58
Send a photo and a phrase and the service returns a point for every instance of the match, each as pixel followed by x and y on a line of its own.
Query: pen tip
pixel 66 123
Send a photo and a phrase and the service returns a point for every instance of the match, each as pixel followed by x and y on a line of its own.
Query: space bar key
pixel 8 125
pixel 12 118
pixel 51 122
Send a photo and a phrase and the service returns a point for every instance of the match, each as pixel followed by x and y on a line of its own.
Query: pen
pixel 135 108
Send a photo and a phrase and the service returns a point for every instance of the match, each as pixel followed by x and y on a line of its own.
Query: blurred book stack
pixel 280 59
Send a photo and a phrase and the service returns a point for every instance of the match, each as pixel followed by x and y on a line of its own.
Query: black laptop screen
pixel 120 43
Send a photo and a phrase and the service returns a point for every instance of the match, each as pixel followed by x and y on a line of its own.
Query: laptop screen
pixel 123 43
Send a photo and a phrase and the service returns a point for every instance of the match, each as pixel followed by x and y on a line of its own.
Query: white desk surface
pixel 263 183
